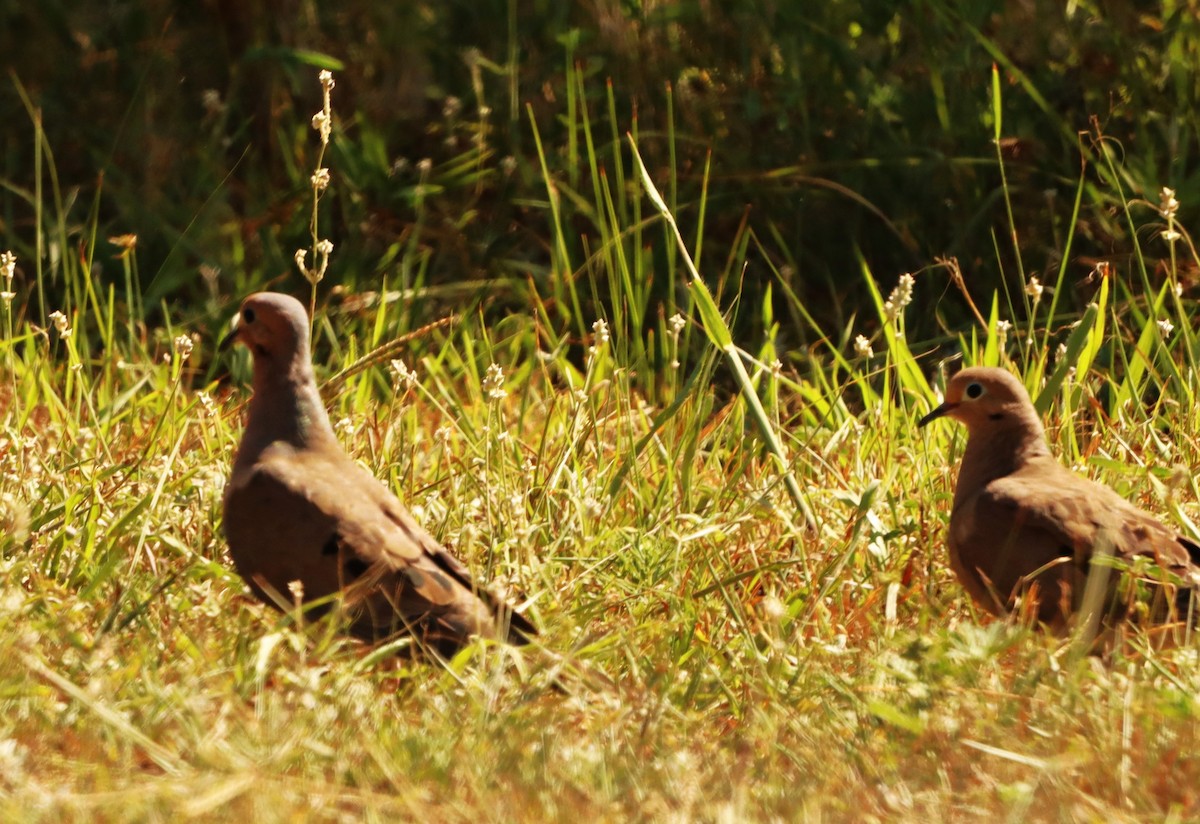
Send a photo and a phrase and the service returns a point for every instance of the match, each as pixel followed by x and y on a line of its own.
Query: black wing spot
pixel 1193 549
pixel 355 568
pixel 997 416
pixel 331 546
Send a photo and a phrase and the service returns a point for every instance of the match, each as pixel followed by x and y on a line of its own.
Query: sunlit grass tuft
pixel 761 662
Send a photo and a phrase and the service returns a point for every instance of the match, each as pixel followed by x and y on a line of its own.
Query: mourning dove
pixel 1024 527
pixel 298 509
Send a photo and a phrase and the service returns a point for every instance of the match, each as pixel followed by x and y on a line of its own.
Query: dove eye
pixel 248 315
pixel 974 390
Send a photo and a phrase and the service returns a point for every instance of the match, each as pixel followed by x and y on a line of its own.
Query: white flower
pixel 320 180
pixel 1003 327
pixel 1166 327
pixel 600 330
pixel 900 297
pixel 207 402
pixel 451 107
pixel 8 267
pixel 676 323
pixel 1167 204
pixel 404 375
pixel 326 79
pixel 772 608
pixel 325 247
pixel 1170 235
pixel 493 383
pixel 321 122
pixel 424 165
pixel 211 100
pixel 61 324
pixel 1034 289
pixel 184 345
pixel 862 347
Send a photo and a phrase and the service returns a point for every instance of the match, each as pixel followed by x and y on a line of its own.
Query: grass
pixel 778 649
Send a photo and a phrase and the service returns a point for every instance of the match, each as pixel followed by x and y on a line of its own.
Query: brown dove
pixel 298 509
pixel 1025 527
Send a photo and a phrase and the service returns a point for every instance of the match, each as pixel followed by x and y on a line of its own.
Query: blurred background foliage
pixel 835 129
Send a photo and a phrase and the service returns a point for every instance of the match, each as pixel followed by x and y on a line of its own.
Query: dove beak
pixel 938 412
pixel 229 339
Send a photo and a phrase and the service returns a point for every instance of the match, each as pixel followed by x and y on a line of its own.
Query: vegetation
pixel 683 428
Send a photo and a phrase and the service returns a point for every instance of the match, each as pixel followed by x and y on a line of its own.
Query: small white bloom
pixel 320 122
pixel 404 375
pixel 676 323
pixel 1166 327
pixel 183 346
pixel 1170 235
pixel 451 107
pixel 424 165
pixel 61 324
pixel 325 247
pixel 508 164
pixel 1167 204
pixel 326 79
pixel 1034 289
pixel 862 347
pixel 320 180
pixel 772 608
pixel 1003 327
pixel 8 266
pixel 493 383
pixel 900 297
pixel 600 330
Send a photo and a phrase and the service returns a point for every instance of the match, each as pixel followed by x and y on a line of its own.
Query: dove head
pixel 274 327
pixel 988 400
pixel 1004 432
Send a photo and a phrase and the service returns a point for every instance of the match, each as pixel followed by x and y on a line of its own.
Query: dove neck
pixel 286 406
pixel 997 453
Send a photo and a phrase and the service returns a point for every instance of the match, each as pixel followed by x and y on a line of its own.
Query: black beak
pixel 937 413
pixel 228 340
